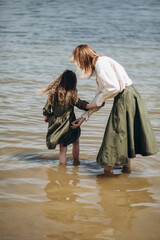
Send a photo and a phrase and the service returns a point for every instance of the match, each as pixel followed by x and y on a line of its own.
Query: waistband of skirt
pixel 123 91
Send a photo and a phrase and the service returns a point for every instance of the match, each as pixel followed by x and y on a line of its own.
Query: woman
pixel 128 131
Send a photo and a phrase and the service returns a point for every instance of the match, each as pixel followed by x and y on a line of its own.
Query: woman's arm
pixel 108 86
pixel 87 114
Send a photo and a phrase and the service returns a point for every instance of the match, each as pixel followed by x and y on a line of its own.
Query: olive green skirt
pixel 59 130
pixel 128 131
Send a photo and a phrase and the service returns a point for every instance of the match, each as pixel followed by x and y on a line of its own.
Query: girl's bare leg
pixel 75 152
pixel 108 170
pixel 62 154
pixel 127 167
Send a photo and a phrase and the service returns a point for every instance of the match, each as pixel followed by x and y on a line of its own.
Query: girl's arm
pixel 90 106
pixel 46 118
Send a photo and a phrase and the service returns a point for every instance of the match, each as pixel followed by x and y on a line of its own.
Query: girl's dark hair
pixel 63 90
pixel 68 80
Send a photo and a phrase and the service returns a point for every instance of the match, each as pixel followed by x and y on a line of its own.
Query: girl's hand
pixel 77 122
pixel 103 104
pixel 46 119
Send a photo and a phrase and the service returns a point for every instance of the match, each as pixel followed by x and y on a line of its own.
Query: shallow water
pixel 39 198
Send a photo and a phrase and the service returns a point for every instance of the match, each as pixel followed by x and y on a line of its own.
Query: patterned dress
pixel 60 119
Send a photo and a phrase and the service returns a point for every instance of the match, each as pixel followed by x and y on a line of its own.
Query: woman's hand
pixel 77 122
pixel 46 119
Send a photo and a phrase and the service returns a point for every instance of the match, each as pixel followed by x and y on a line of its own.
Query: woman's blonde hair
pixel 85 58
pixel 62 90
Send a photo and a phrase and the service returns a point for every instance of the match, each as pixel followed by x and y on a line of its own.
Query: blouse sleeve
pixel 47 109
pixel 81 104
pixel 108 87
pixel 87 114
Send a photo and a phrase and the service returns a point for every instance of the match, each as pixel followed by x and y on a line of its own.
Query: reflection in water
pixel 94 206
pixel 117 197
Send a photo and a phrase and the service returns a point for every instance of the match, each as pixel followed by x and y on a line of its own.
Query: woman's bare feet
pixel 127 167
pixel 108 170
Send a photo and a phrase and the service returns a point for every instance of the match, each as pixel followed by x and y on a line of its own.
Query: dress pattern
pixel 60 119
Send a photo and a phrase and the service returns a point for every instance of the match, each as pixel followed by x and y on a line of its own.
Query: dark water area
pixel 40 199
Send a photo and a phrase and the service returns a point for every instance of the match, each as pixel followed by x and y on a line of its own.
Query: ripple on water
pixel 40 198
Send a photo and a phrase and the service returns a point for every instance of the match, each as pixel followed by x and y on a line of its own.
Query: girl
pixel 59 113
pixel 128 131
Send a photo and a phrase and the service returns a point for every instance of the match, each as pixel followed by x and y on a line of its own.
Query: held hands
pixel 77 122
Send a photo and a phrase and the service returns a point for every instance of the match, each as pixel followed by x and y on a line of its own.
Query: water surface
pixel 39 198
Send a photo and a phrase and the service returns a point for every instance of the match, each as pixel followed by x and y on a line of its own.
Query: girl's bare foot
pixel 127 167
pixel 76 162
pixel 62 154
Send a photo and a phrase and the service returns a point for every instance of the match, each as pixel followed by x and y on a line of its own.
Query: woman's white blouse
pixel 111 79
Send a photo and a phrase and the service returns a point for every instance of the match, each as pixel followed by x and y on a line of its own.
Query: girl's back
pixel 59 110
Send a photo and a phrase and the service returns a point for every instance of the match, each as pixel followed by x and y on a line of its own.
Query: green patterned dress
pixel 60 119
